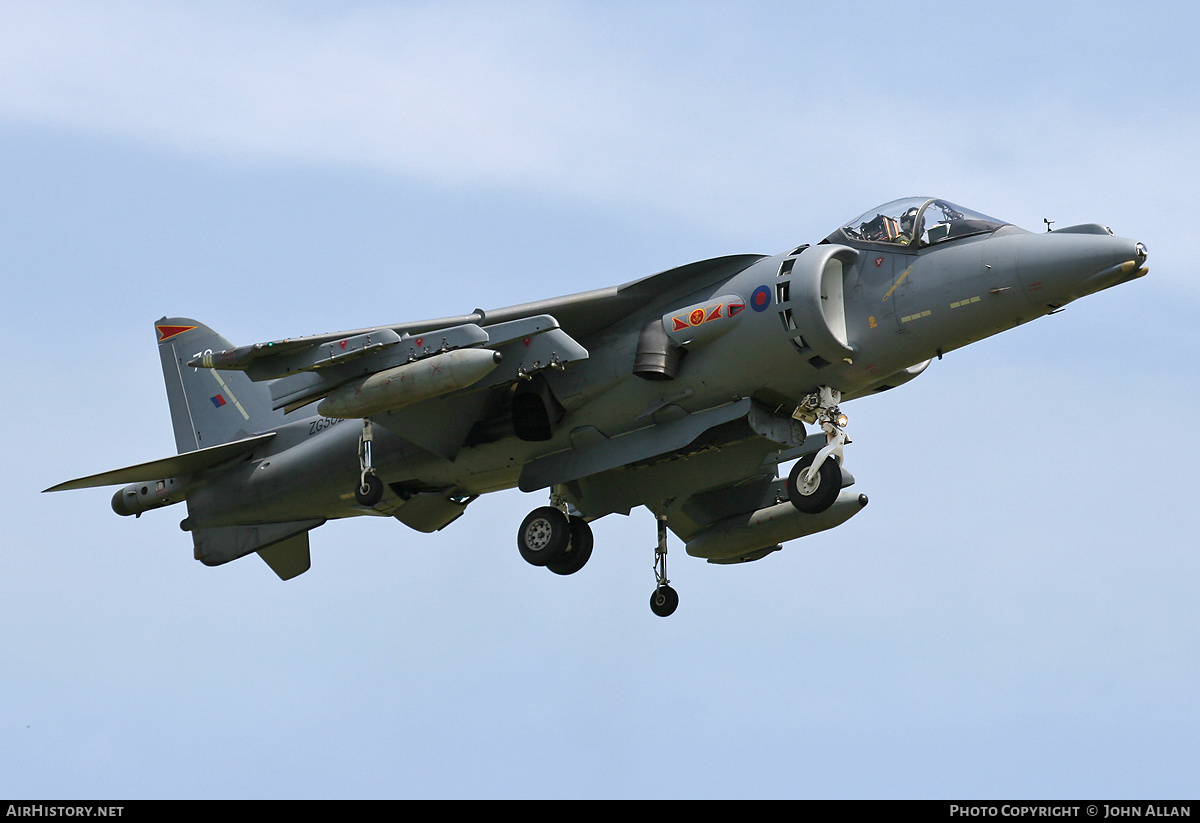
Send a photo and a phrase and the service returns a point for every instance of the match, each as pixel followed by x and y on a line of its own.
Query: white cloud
pixel 730 116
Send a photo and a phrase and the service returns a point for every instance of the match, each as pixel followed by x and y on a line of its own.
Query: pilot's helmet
pixel 907 220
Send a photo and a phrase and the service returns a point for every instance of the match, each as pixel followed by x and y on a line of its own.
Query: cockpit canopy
pixel 915 222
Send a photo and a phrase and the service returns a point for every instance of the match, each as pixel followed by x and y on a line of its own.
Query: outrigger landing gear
pixel 665 600
pixel 816 479
pixel 370 487
pixel 552 537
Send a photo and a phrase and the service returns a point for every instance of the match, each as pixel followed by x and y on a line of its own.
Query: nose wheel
pixel 814 494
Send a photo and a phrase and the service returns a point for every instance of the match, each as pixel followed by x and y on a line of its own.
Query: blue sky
pixel 1012 616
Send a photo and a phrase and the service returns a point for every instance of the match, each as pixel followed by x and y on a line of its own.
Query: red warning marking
pixel 419 341
pixel 878 262
pixel 527 341
pixel 167 332
pixel 342 344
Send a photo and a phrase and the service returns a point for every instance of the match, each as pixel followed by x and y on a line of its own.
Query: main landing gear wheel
pixel 578 550
pixel 369 492
pixel 544 537
pixel 664 601
pixel 818 495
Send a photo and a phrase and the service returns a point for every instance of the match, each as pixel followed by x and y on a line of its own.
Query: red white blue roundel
pixel 761 298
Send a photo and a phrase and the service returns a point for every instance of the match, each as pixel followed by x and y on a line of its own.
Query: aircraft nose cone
pixel 1125 261
pixel 1057 268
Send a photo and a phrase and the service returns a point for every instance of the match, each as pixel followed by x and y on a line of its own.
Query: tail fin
pixel 208 407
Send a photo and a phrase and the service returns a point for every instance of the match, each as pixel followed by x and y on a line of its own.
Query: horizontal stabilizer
pixel 176 466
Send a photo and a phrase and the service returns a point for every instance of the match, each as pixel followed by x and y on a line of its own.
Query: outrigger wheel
pixel 369 491
pixel 664 601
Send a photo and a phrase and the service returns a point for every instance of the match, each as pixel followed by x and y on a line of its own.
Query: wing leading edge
pixel 579 315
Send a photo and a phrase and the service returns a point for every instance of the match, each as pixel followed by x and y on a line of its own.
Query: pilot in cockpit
pixel 915 222
pixel 881 229
pixel 884 229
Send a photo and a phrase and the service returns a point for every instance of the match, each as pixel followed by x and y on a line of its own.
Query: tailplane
pixel 208 407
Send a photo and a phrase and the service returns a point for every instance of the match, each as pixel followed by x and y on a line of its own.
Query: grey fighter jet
pixel 682 392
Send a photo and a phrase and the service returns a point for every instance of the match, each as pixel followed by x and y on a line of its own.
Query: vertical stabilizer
pixel 208 407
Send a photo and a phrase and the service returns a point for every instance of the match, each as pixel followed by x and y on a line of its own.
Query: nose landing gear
pixel 815 480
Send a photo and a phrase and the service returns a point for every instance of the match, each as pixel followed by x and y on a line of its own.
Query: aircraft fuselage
pixel 901 306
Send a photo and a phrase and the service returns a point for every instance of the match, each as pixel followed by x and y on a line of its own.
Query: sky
pixel 1012 616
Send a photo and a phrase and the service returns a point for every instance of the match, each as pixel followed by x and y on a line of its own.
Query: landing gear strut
pixel 816 479
pixel 370 487
pixel 665 600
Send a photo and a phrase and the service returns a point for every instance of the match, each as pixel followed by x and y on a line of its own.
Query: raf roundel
pixel 761 298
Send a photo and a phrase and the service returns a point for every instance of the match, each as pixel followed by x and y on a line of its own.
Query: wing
pixel 525 338
pixel 578 315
